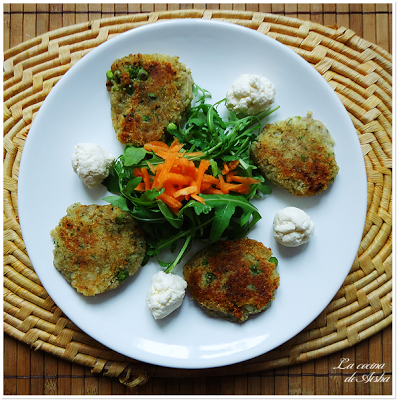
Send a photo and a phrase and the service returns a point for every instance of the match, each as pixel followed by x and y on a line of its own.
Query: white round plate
pixel 77 110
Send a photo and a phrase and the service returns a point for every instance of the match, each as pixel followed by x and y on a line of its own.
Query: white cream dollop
pixel 250 94
pixel 292 227
pixel 165 294
pixel 92 163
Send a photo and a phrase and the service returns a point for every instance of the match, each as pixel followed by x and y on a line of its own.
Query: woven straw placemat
pixel 360 74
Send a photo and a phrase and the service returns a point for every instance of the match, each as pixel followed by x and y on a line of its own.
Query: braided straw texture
pixel 360 74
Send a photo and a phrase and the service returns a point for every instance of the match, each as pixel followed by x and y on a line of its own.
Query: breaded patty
pixel 233 279
pixel 147 92
pixel 97 247
pixel 296 154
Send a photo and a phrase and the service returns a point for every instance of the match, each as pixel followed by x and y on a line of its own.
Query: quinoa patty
pixel 97 247
pixel 296 154
pixel 233 279
pixel 147 92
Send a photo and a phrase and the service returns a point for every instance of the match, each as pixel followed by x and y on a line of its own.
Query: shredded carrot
pixel 204 165
pixel 175 146
pixel 241 179
pixel 182 180
pixel 198 198
pixel 140 187
pixel 230 175
pixel 146 178
pixel 212 190
pixel 169 200
pixel 165 170
pixel 240 188
pixel 137 172
pixel 210 179
pixel 232 165
pixel 185 191
pixel 222 185
pixel 155 143
pixel 176 179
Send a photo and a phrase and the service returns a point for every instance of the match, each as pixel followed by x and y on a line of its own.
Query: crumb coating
pixel 233 279
pixel 296 154
pixel 97 247
pixel 143 104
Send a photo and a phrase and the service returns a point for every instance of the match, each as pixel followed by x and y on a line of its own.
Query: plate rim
pixel 182 22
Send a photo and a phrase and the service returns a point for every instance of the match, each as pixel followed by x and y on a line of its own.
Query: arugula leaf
pixel 118 201
pixel 221 221
pixel 130 187
pixel 133 155
pixel 225 206
pixel 112 182
pixel 169 216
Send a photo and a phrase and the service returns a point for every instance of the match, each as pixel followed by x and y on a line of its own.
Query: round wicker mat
pixel 360 74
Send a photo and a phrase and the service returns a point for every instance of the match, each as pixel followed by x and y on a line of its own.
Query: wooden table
pixel 28 372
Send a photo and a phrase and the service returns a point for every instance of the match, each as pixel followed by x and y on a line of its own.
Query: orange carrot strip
pixel 240 188
pixel 185 167
pixel 229 167
pixel 229 176
pixel 155 143
pixel 146 178
pixel 222 185
pixel 163 154
pixel 185 191
pixel 182 161
pixel 155 183
pixel 234 187
pixel 156 147
pixel 140 187
pixel 233 164
pixel 177 179
pixel 204 165
pixel 225 169
pixel 166 168
pixel 175 146
pixel 205 186
pixel 198 198
pixel 176 169
pixel 169 200
pixel 212 190
pixel 137 172
pixel 244 179
pixel 152 167
pixel 191 170
pixel 210 179
pixel 169 188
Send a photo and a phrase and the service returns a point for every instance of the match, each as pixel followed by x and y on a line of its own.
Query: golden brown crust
pixel 142 108
pixel 296 154
pixel 233 278
pixel 97 247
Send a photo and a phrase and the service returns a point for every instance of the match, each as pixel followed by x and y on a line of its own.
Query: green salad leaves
pixel 221 140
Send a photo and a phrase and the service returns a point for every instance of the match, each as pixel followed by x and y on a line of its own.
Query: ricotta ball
pixel 250 94
pixel 292 227
pixel 165 294
pixel 92 163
